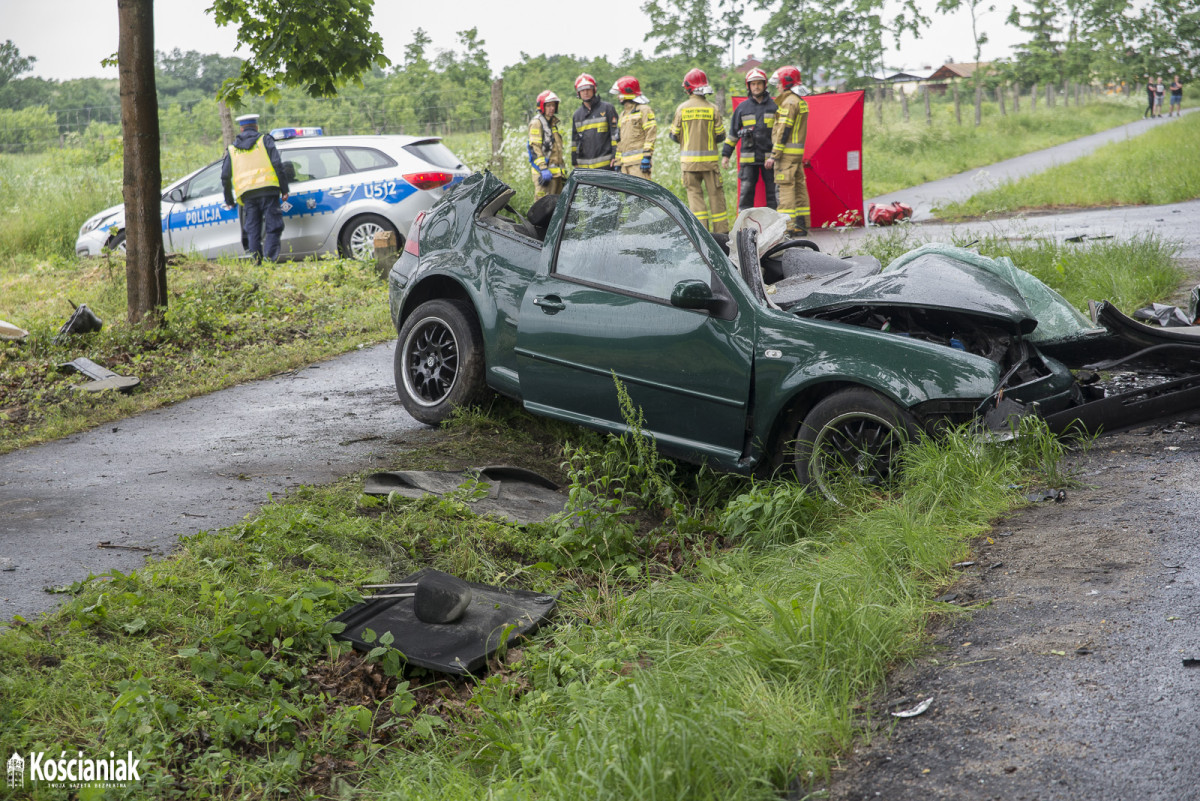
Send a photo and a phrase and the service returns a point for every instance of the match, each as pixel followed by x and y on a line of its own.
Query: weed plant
pixel 1157 167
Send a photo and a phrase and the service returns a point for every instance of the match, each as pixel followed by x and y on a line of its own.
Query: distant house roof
pixel 898 77
pixel 964 69
pixel 749 64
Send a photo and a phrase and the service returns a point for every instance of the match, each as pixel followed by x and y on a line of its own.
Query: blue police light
pixel 295 133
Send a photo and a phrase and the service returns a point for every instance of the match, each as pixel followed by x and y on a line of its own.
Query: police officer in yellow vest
pixel 639 129
pixel 787 152
pixel 698 129
pixel 252 175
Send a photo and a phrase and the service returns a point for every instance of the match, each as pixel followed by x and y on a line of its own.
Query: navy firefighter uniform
pixel 752 122
pixel 252 175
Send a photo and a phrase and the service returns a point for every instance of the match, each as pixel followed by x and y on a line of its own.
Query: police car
pixel 346 189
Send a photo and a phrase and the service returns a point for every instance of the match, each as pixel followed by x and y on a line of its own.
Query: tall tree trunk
pixel 226 124
pixel 497 125
pixel 928 111
pixel 957 103
pixel 978 105
pixel 145 261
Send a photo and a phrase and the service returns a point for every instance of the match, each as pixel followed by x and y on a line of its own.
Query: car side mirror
pixel 693 294
pixel 175 195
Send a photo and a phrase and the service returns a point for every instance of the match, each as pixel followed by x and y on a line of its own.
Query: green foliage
pixel 12 63
pixel 318 45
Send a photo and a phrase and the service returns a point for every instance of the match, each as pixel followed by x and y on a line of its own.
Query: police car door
pixel 195 220
pixel 318 192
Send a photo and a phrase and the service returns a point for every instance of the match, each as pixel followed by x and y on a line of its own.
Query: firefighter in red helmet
pixel 594 129
pixel 787 152
pixel 638 128
pixel 546 147
pixel 698 129
pixel 752 123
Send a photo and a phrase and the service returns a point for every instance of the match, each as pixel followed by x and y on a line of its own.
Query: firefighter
pixel 252 176
pixel 594 129
pixel 546 148
pixel 637 126
pixel 787 152
pixel 698 129
pixel 753 121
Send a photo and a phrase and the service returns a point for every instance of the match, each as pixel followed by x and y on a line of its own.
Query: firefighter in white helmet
pixel 752 123
pixel 638 128
pixel 546 147
pixel 787 152
pixel 594 129
pixel 698 129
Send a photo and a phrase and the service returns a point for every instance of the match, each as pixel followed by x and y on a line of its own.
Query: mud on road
pixel 1069 679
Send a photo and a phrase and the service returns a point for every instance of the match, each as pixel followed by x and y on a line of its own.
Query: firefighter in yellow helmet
pixel 787 151
pixel 698 129
pixel 638 128
pixel 546 148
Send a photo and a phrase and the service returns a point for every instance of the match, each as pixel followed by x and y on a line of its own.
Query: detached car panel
pixel 787 355
pixel 345 189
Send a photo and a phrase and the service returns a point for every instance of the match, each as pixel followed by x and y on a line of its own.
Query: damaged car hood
pixel 931 283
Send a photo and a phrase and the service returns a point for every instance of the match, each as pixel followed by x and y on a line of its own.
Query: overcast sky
pixel 69 38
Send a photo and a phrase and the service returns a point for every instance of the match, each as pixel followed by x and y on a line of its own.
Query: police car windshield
pixel 435 153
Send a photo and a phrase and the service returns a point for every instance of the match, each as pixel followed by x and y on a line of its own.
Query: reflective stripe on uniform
pixel 602 161
pixel 601 125
pixel 788 147
pixel 698 155
pixel 251 169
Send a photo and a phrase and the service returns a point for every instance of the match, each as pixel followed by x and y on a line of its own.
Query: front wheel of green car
pixel 852 437
pixel 439 360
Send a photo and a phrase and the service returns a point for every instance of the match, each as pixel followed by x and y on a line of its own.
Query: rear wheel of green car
pixel 439 360
pixel 852 437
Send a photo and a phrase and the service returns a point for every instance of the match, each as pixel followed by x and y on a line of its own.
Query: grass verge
pixel 1156 167
pixel 719 653
pixel 226 322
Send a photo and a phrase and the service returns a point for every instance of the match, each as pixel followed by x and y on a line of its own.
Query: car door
pixel 197 221
pixel 602 309
pixel 318 193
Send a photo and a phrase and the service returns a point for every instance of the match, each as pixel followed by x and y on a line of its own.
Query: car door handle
pixel 551 304
pixel 338 192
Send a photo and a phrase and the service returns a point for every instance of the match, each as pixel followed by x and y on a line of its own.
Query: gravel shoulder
pixel 1068 680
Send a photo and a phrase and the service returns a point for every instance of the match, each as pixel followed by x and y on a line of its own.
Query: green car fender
pixel 800 361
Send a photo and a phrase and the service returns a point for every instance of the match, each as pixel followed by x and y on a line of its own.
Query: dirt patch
pixel 1068 681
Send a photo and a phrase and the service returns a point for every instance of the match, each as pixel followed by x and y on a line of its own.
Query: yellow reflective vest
pixel 546 143
pixel 638 132
pixel 698 129
pixel 251 169
pixel 791 126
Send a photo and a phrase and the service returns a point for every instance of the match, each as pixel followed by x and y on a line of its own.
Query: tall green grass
pixel 897 154
pixel 737 677
pixel 1159 166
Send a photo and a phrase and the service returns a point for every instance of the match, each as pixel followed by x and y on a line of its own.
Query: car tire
pixel 357 240
pixel 853 434
pixel 439 363
pixel 116 243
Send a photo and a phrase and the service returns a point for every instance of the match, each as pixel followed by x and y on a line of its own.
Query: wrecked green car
pixel 746 353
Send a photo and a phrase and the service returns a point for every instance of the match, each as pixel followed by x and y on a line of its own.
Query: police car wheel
pixel 116 243
pixel 358 237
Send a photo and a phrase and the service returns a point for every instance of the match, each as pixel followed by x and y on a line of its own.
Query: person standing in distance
pixel 638 128
pixel 594 129
pixel 546 148
pixel 753 120
pixel 252 176
pixel 1176 98
pixel 787 152
pixel 699 130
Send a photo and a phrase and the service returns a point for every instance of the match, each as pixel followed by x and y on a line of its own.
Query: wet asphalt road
pixel 201 464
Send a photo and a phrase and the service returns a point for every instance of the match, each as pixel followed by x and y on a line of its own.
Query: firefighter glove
pixel 545 177
pixel 645 164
